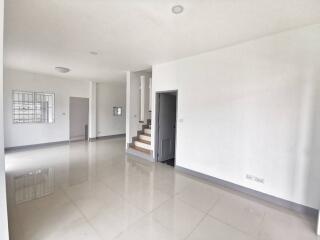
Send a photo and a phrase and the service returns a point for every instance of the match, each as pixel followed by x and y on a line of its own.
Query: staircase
pixel 142 142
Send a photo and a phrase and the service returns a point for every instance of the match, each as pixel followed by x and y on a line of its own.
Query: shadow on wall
pixel 306 163
pixel 311 152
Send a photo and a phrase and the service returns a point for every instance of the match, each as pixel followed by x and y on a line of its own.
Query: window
pixel 117 111
pixel 32 107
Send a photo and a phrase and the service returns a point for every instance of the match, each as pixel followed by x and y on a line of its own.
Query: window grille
pixel 32 107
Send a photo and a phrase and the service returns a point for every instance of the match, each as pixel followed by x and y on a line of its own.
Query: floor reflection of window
pixel 34 184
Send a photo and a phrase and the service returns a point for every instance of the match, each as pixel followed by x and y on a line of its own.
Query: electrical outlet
pixel 254 178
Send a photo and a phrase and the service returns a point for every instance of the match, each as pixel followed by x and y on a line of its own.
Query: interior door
pixel 166 126
pixel 79 118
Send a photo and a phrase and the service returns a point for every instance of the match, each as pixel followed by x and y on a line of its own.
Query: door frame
pixel 156 130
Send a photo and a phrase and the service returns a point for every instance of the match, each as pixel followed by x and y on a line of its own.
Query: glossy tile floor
pixel 94 191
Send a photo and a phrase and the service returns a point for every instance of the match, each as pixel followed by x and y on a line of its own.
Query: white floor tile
pixel 243 214
pixel 100 193
pixel 200 196
pixel 148 229
pixel 111 222
pixel 282 225
pixel 177 216
pixel 210 229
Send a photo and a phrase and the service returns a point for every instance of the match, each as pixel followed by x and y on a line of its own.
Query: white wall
pixel 252 108
pixel 28 134
pixel 4 235
pixel 110 95
pixel 92 110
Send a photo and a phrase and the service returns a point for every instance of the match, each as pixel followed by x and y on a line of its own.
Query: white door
pixel 166 126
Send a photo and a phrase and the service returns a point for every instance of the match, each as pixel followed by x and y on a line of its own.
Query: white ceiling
pixel 134 34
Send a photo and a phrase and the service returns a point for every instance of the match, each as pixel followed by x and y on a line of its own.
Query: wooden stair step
pixel 144 137
pixel 142 144
pixel 140 149
pixel 147 130
pixel 143 141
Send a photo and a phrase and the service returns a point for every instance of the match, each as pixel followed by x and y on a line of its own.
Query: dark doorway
pixel 166 119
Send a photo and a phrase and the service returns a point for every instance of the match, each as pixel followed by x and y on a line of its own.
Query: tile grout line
pixel 207 214
pixel 202 219
pixel 233 227
pixel 196 226
pixel 83 215
pixel 131 204
pixel 119 195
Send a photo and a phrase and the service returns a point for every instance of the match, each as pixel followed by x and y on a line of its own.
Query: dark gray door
pixel 79 118
pixel 167 126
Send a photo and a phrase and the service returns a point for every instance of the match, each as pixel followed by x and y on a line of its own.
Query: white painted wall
pixel 133 106
pixel 128 107
pixel 252 108
pixel 142 97
pixel 4 234
pixel 109 95
pixel 92 110
pixel 318 227
pixel 28 134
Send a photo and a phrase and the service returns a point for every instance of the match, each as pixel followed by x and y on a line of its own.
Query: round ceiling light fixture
pixel 62 69
pixel 177 9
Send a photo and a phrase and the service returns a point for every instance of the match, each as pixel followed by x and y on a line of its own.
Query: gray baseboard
pixel 301 209
pixel 32 146
pixel 106 137
pixel 40 145
pixel 78 138
pixel 111 136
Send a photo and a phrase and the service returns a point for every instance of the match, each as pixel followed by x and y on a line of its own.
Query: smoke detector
pixel 62 69
pixel 177 9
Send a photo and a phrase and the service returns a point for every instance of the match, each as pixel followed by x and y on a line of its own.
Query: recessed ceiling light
pixel 93 53
pixel 177 9
pixel 62 69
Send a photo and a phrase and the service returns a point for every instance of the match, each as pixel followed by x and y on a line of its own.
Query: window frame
pixel 34 94
pixel 114 112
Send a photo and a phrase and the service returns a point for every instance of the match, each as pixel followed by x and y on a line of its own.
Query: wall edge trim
pixel 299 208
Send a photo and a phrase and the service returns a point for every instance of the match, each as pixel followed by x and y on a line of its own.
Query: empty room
pixel 160 120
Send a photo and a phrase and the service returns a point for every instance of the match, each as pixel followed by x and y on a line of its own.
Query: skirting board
pixel 112 136
pixel 8 149
pixel 106 137
pixel 268 198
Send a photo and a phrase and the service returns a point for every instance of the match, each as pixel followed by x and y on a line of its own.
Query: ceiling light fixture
pixel 62 69
pixel 177 9
pixel 93 53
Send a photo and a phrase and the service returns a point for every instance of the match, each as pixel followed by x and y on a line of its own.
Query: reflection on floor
pixel 33 185
pixel 94 191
